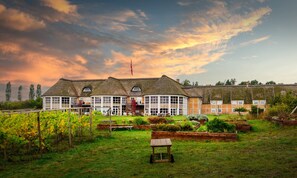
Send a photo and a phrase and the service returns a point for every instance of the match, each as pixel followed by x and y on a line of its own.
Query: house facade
pixel 154 96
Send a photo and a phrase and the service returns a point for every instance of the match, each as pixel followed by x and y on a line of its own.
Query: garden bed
pixel 137 127
pixel 284 122
pixel 195 136
pixel 241 125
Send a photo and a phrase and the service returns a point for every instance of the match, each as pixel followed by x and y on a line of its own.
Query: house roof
pixel 166 86
pixel 111 86
pixel 63 87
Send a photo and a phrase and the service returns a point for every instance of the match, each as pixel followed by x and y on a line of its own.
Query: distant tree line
pixel 231 81
pixel 35 100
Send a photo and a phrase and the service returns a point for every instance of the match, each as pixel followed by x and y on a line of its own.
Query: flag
pixel 131 67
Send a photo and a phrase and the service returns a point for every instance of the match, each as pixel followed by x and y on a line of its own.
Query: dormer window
pixel 136 89
pixel 87 90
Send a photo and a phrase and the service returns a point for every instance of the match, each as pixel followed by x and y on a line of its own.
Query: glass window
pixel 65 102
pixel 106 100
pixel 255 102
pixel 116 100
pixel 154 99
pixel 87 90
pixel 154 111
pixel 173 112
pixel 55 102
pixel 164 110
pixel 97 100
pixel 174 99
pixel 124 100
pixel 164 99
pixel 240 102
pixel 47 102
pixel 212 102
pixel 147 100
pixel 181 100
pixel 234 102
pixel 262 102
pixel 136 89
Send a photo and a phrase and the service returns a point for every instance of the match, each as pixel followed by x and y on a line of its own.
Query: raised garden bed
pixel 195 136
pixel 241 125
pixel 284 122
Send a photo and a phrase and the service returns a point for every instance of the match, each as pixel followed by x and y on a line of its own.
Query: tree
pixel 31 92
pixel 196 84
pixel 20 93
pixel 244 83
pixel 38 91
pixel 233 81
pixel 220 83
pixel 8 91
pixel 186 83
pixel 254 82
pixel 228 82
pixel 270 83
pixel 240 109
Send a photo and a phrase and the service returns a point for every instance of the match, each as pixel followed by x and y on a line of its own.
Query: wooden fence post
pixel 39 133
pixel 91 123
pixel 69 129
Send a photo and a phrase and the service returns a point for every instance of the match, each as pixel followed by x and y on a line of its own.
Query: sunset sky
pixel 204 40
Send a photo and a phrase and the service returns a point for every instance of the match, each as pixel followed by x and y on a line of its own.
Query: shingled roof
pixel 63 87
pixel 111 86
pixel 165 86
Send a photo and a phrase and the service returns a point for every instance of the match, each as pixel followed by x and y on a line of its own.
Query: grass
pixel 268 151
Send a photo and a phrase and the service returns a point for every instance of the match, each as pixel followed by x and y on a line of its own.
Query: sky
pixel 204 40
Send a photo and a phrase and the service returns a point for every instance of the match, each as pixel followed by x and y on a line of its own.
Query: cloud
pixel 122 20
pixel 17 20
pixel 200 39
pixel 255 41
pixel 62 6
pixel 9 48
pixel 80 59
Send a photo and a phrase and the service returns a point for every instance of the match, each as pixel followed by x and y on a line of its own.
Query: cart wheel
pixel 172 158
pixel 151 159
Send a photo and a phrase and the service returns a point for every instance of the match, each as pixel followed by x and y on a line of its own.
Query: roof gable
pixel 165 86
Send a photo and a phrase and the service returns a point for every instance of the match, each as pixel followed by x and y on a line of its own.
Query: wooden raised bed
pixel 195 136
pixel 284 122
pixel 241 125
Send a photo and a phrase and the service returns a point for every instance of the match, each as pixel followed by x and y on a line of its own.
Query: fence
pixel 27 134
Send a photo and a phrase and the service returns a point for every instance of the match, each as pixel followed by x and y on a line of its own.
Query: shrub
pixel 197 117
pixel 139 121
pixel 218 125
pixel 277 110
pixel 240 110
pixel 202 128
pixel 157 120
pixel 172 127
pixel 255 110
pixel 186 126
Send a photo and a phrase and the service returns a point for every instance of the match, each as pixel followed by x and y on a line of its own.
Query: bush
pixel 172 128
pixel 255 110
pixel 277 110
pixel 186 126
pixel 197 117
pixel 139 121
pixel 218 125
pixel 157 120
pixel 202 128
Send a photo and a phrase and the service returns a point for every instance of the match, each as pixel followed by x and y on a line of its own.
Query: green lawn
pixel 268 151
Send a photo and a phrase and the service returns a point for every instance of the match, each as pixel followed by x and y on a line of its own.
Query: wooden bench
pixel 161 157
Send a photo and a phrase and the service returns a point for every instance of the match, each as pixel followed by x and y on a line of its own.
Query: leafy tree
pixel 254 82
pixel 31 92
pixel 20 93
pixel 8 91
pixel 270 83
pixel 186 82
pixel 244 83
pixel 38 91
pixel 240 109
pixel 228 82
pixel 220 83
pixel 196 84
pixel 233 81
